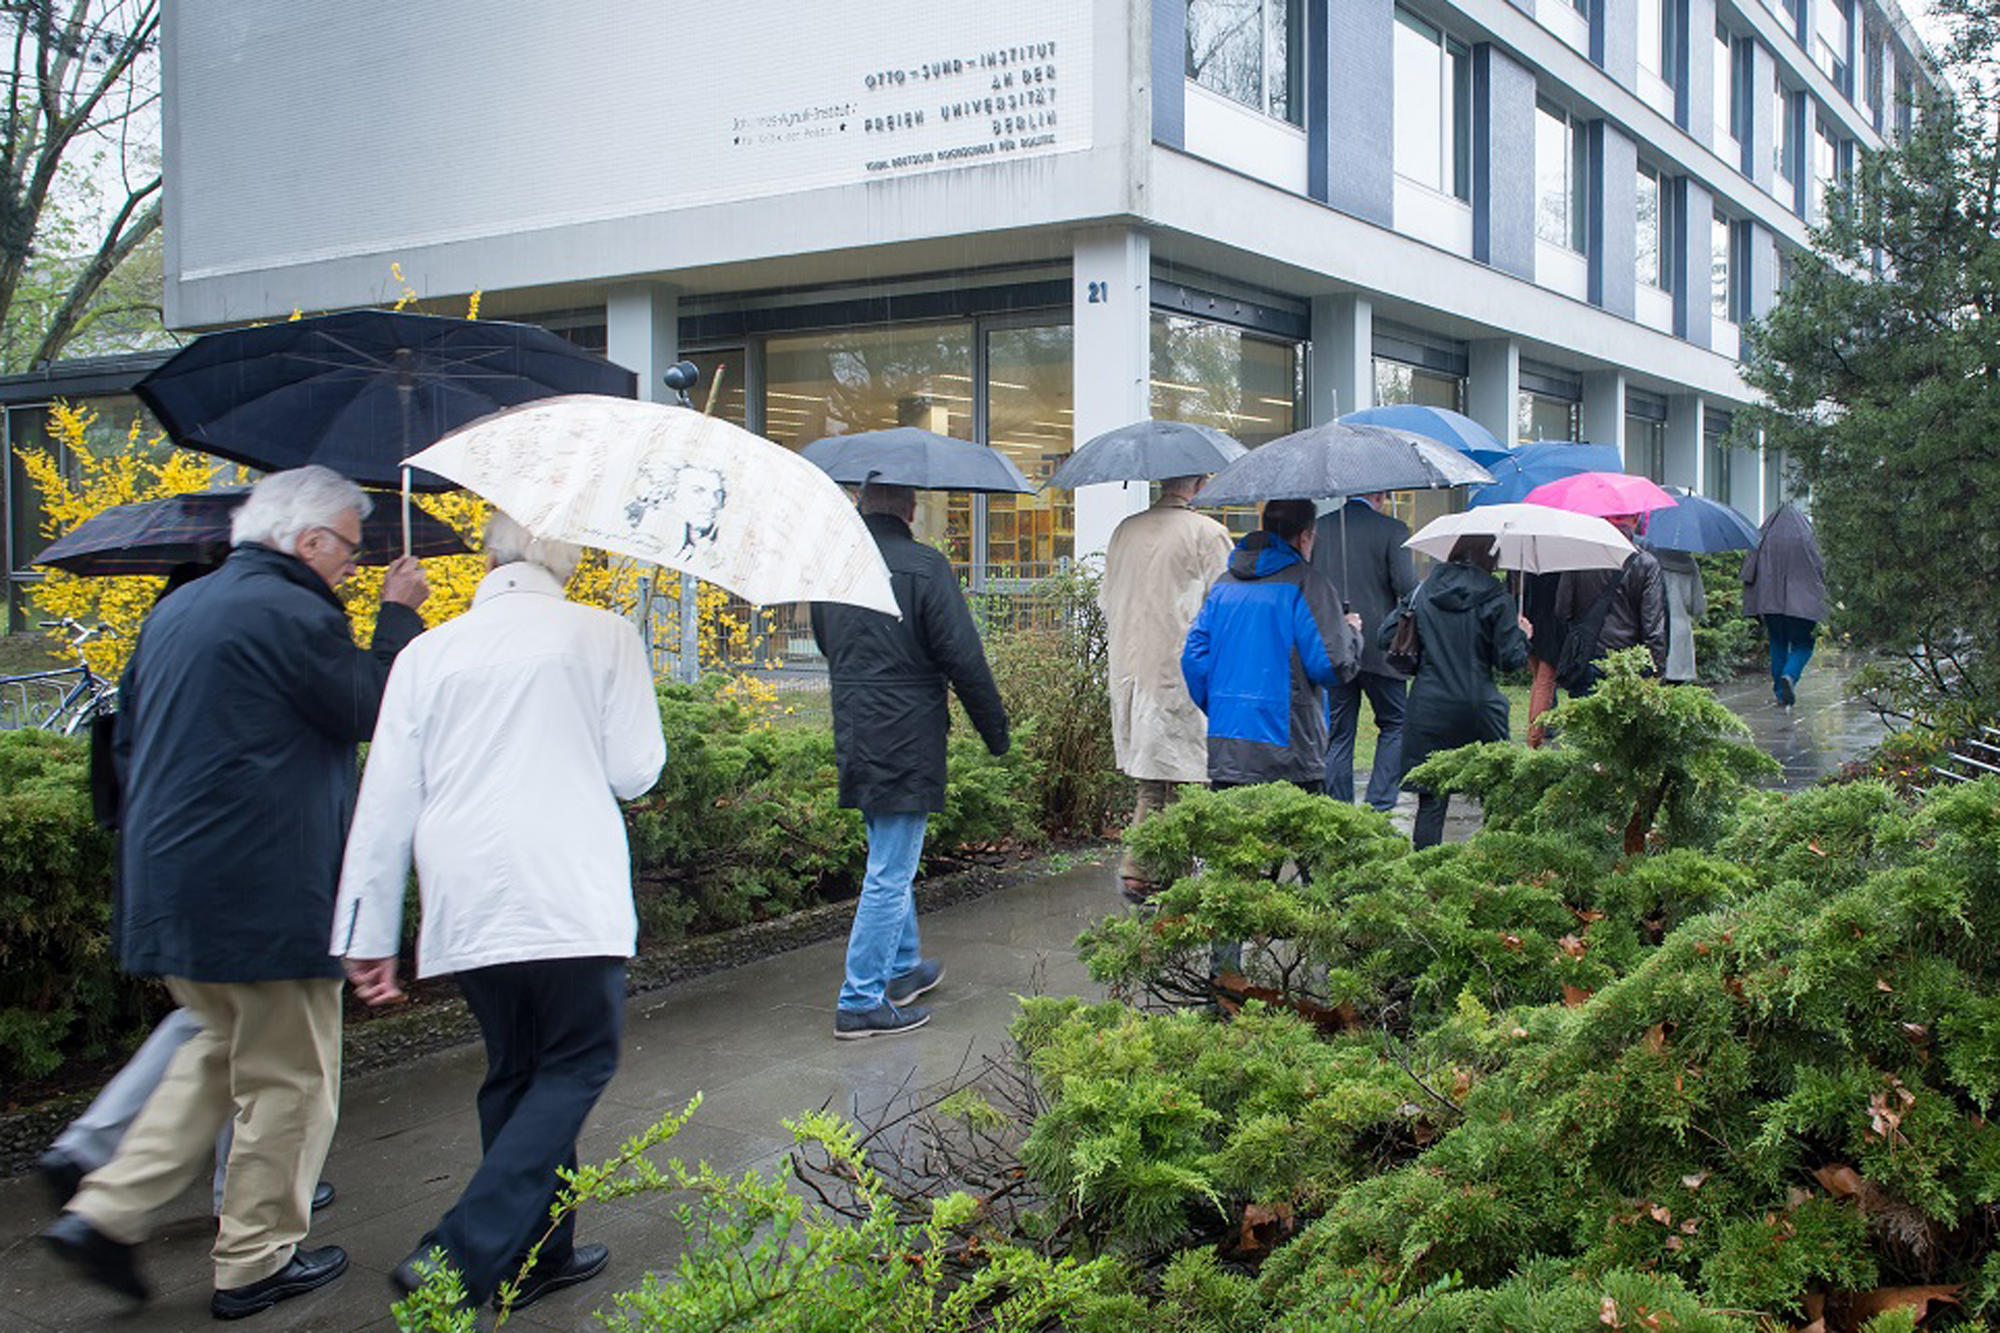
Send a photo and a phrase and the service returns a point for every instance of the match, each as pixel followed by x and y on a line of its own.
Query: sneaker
pixel 919 980
pixel 884 1020
pixel 309 1270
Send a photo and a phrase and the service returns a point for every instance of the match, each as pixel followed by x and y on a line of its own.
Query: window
pixel 1030 417
pixel 1730 99
pixel 1646 446
pixel 1833 39
pixel 1871 79
pixel 1725 272
pixel 1544 416
pixel 1216 375
pixel 1717 459
pixel 1829 168
pixel 1784 135
pixel 1397 382
pixel 1656 38
pixel 1655 218
pixel 1433 78
pixel 1561 164
pixel 1906 103
pixel 1251 51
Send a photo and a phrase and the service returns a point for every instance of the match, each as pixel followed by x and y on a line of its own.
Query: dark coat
pixel 238 720
pixel 1263 648
pixel 1363 554
pixel 1638 611
pixel 890 707
pixel 1785 576
pixel 1467 623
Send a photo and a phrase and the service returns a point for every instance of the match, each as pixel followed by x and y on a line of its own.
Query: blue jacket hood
pixel 1262 554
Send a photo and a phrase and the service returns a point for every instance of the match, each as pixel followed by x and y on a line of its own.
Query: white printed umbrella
pixel 674 487
pixel 1533 538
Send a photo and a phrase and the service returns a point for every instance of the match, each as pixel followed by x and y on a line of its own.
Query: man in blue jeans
pixel 890 680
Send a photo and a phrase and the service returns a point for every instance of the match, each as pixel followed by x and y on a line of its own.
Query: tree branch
pixel 119 241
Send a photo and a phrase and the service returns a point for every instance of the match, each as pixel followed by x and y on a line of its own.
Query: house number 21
pixel 1100 293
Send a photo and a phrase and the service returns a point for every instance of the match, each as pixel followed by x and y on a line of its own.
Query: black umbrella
pixel 1147 451
pixel 360 391
pixel 154 536
pixel 1336 459
pixel 908 456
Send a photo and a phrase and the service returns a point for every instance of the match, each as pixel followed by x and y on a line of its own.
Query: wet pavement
pixel 756 1041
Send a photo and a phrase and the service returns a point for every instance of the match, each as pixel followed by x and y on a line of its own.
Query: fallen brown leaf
pixel 1656 1038
pixel 1572 946
pixel 1839 1180
pixel 1575 996
pixel 1866 1305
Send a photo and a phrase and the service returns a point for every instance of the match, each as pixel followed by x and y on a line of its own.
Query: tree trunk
pixel 117 245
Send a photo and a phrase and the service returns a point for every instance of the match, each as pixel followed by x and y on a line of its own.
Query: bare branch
pixel 120 239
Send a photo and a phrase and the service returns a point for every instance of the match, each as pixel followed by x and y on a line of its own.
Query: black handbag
pixel 1405 652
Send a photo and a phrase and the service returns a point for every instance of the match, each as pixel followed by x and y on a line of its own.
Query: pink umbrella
pixel 1603 494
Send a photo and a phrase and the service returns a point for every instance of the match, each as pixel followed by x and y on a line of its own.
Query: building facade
pixel 1024 222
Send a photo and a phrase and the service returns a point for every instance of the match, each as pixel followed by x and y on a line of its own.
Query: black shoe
pixel 919 980
pixel 585 1263
pixel 884 1020
pixel 323 1195
pixel 416 1268
pixel 106 1262
pixel 309 1270
pixel 61 1174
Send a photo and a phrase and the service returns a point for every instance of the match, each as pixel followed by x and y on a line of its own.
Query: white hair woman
pixel 507 542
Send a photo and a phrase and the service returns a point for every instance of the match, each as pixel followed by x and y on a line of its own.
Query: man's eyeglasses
pixel 353 548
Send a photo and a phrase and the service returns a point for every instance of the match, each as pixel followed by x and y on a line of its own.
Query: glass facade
pixel 1217 375
pixel 1784 138
pixel 1646 447
pixel 1729 100
pixel 1250 51
pixel 1654 217
pixel 1030 417
pixel 1544 416
pixel 1397 383
pixel 1433 83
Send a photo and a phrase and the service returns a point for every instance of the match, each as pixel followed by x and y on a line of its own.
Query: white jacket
pixel 506 739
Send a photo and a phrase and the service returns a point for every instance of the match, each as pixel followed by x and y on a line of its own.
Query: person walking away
pixel 90 1140
pixel 1784 585
pixel 1628 605
pixel 507 739
pixel 890 715
pixel 1545 642
pixel 245 699
pixel 1158 567
pixel 1269 640
pixel 1469 630
pixel 1361 550
pixel 1687 603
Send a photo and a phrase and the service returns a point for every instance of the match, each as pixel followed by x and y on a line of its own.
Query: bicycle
pixel 47 701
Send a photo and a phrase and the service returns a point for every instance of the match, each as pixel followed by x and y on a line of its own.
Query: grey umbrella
pixel 1321 462
pixel 1147 451
pixel 907 456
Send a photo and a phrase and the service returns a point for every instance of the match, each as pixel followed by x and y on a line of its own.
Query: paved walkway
pixel 756 1041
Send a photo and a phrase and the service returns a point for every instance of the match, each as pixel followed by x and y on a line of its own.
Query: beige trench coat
pixel 1157 571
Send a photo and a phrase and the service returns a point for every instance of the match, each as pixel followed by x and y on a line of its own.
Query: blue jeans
pixel 1386 695
pixel 883 943
pixel 1791 645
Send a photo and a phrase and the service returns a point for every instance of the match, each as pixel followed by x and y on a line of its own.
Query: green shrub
pixel 61 994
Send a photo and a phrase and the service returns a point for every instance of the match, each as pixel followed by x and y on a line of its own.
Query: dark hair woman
pixel 1469 630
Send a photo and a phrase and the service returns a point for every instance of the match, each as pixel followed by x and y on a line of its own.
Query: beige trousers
pixel 268 1057
pixel 1154 796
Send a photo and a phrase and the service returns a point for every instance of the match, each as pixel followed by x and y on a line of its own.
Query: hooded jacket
pixel 1267 641
pixel 1785 576
pixel 1638 611
pixel 1467 623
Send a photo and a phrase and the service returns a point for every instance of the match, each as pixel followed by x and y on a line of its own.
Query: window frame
pixel 1454 111
pixel 1576 177
pixel 1291 23
pixel 1662 278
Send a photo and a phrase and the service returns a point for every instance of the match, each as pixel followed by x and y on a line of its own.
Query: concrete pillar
pixel 642 333
pixel 1111 295
pixel 1694 89
pixel 1614 201
pixel 1746 479
pixel 1684 440
pixel 1350 99
pixel 1604 409
pixel 1763 270
pixel 1493 386
pixel 1694 216
pixel 1503 162
pixel 1340 377
pixel 1169 72
pixel 1614 39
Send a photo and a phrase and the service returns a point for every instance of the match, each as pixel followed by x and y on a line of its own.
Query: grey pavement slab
pixel 755 1041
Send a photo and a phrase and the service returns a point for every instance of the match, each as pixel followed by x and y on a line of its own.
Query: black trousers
pixel 552 1029
pixel 1428 830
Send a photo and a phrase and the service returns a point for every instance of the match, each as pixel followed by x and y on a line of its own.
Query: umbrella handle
pixel 406 511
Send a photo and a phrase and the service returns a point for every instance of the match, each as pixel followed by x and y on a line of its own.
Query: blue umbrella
pixel 1543 461
pixel 1697 523
pixel 1456 429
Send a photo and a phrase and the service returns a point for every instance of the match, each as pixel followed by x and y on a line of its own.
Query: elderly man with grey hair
pixel 240 712
pixel 507 739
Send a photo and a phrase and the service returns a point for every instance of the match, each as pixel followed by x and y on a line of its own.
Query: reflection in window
pixel 1828 170
pixel 1730 99
pixel 1784 134
pixel 1718 468
pixel 1656 36
pixel 1655 243
pixel 1397 383
pixel 844 381
pixel 1720 268
pixel 1433 82
pixel 1217 375
pixel 1251 51
pixel 1560 166
pixel 1546 417
pixel 1646 447
pixel 719 391
pixel 1834 24
pixel 1030 418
